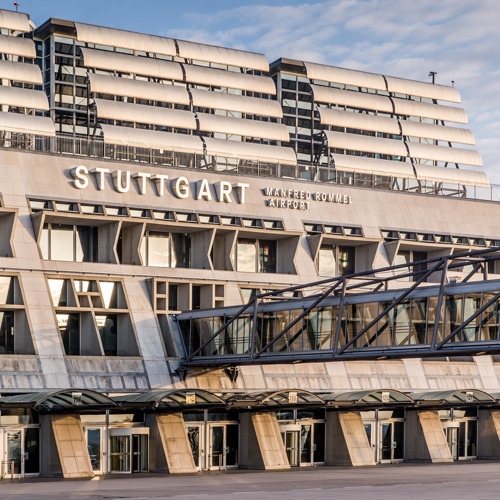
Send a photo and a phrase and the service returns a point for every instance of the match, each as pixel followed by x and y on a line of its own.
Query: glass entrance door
pixel 21 452
pixel 312 443
pixel 196 440
pixel 119 453
pixel 452 438
pixel 94 445
pixel 140 453
pixel 223 443
pixel 391 442
pixel 291 439
pixel 467 440
pixel 14 449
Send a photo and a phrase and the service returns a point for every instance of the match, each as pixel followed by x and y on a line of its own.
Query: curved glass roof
pixel 367 397
pixel 59 400
pixel 276 398
pixel 454 396
pixel 174 398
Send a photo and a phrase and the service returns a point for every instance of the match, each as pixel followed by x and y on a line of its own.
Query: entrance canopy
pixel 181 398
pixel 276 398
pixel 361 398
pixel 453 397
pixel 76 399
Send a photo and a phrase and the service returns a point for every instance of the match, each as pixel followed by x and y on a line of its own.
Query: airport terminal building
pixel 209 261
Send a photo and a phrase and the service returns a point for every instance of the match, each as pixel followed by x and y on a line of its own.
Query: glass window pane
pixel 62 243
pixel 6 290
pixel 58 292
pixel 109 293
pixel 44 242
pixel 346 260
pixel 107 326
pixel 246 256
pixel 326 261
pixel 267 256
pixel 86 244
pixel 69 326
pixel 158 249
pixel 7 332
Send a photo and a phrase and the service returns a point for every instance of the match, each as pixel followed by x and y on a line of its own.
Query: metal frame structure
pixel 367 282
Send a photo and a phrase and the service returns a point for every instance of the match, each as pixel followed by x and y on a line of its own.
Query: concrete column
pixel 64 448
pixel 488 434
pixel 431 430
pixel 347 442
pixel 261 446
pixel 169 445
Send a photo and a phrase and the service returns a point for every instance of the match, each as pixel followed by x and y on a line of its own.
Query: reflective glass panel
pixel 69 327
pixel 7 332
pixel 62 242
pixel 6 290
pixel 246 256
pixel 326 261
pixel 158 249
pixel 107 326
pixel 109 292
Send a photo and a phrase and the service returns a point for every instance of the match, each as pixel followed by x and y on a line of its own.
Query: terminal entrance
pixel 461 435
pixel 129 450
pixel 304 441
pixel 21 452
pixel 95 445
pixel 214 445
pixel 386 436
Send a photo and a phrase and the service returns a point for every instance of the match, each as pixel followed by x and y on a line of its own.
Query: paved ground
pixel 471 481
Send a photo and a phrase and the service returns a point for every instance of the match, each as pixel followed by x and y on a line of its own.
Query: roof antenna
pixel 433 74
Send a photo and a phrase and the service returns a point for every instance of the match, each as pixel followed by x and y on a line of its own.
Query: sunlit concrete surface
pixel 478 480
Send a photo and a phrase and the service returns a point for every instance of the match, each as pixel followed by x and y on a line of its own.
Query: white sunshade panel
pixel 154 139
pixel 243 127
pixel 388 125
pixel 125 39
pixel 222 55
pixel 352 99
pixel 452 175
pixel 437 132
pixel 16 46
pixel 358 121
pixel 139 89
pixel 250 151
pixel 373 166
pixel 24 98
pixel 112 61
pixel 27 124
pixel 382 103
pixel 423 89
pixel 238 103
pixel 427 110
pixel 369 144
pixel 445 154
pixel 140 113
pixel 20 72
pixel 229 79
pixel 17 21
pixel 334 74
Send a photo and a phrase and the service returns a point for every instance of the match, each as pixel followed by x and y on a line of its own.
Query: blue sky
pixel 460 39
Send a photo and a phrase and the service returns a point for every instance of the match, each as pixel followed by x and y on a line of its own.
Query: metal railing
pixel 96 148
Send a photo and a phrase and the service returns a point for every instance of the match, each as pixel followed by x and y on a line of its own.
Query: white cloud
pixel 457 38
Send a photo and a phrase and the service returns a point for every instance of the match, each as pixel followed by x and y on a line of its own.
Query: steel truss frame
pixel 370 281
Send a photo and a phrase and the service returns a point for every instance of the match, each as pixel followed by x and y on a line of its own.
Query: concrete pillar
pixel 347 442
pixel 488 434
pixel 64 448
pixel 261 446
pixel 431 430
pixel 169 445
